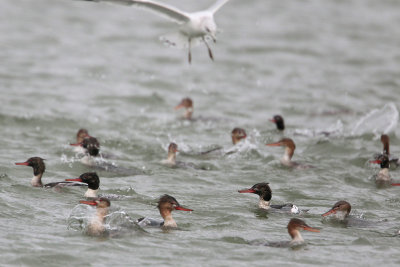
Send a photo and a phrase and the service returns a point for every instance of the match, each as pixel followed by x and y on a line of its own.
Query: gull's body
pixel 194 25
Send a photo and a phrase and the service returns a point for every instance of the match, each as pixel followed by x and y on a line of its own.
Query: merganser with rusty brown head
pixel 96 225
pixel 166 204
pixel 289 151
pixel 80 135
pixel 238 134
pixel 171 159
pixel 340 211
pixel 279 122
pixel 37 163
pixel 265 193
pixel 294 227
pixel 187 104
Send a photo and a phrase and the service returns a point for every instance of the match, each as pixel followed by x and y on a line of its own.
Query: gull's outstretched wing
pixel 217 5
pixel 162 9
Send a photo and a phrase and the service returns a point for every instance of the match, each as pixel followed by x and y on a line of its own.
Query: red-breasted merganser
pixel 96 225
pixel 187 104
pixel 166 205
pixel 171 159
pixel 340 210
pixel 91 148
pixel 265 194
pixel 80 135
pixel 89 179
pixel 237 135
pixel 92 180
pixel 38 166
pixel 289 151
pixel 383 177
pixel 280 123
pixel 294 226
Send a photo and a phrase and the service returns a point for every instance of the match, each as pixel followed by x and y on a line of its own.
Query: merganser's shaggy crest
pixel 38 166
pixel 265 194
pixel 237 135
pixel 194 26
pixel 166 205
pixel 294 226
pixel 289 151
pixel 340 210
pixel 96 226
pixel 187 104
pixel 280 123
pixel 383 177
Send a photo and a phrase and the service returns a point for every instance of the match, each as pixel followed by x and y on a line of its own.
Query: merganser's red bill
pixel 272 120
pixel 92 203
pixel 396 184
pixel 308 228
pixel 329 212
pixel 274 144
pixel 22 163
pixel 74 180
pixel 375 161
pixel 182 208
pixel 179 106
pixel 247 191
pixel 77 144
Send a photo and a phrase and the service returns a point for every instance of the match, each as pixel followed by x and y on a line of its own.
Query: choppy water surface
pixel 323 65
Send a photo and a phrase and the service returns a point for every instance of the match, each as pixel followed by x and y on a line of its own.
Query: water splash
pixel 378 121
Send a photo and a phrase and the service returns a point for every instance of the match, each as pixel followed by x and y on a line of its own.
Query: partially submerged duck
pixel 38 166
pixel 237 135
pixel 265 193
pixel 279 122
pixel 289 151
pixel 294 226
pixel 187 104
pixel 166 204
pixel 383 176
pixel 96 225
pixel 340 210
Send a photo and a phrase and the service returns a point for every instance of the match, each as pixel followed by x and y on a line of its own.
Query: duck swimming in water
pixel 340 211
pixel 38 166
pixel 294 226
pixel 265 193
pixel 237 135
pixel 187 104
pixel 289 151
pixel 166 205
pixel 279 122
pixel 96 225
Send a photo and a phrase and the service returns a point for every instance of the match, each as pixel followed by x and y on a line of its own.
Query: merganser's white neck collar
pixel 37 180
pixel 91 193
pixel 263 204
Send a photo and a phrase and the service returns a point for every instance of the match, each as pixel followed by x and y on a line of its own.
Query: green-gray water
pixel 323 65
